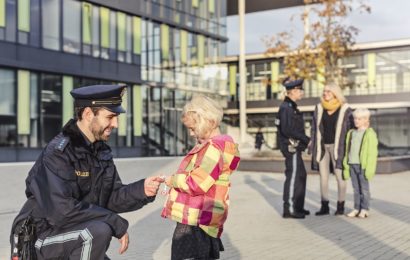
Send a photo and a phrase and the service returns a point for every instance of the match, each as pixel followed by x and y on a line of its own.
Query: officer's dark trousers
pixel 85 241
pixel 294 189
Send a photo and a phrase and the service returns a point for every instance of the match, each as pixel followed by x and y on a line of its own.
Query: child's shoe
pixel 363 213
pixel 353 213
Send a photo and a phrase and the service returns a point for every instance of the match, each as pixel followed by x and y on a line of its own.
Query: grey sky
pixel 389 20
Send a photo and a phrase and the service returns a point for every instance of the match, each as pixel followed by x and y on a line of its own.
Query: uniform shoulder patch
pixel 62 143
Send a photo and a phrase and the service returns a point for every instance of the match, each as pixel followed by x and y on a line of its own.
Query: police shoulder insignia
pixel 62 143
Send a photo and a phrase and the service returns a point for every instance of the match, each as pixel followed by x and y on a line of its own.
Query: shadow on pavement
pixel 338 230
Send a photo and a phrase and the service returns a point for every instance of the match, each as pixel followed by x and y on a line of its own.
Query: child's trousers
pixel 361 190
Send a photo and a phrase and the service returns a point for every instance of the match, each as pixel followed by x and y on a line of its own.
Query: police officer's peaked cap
pixel 107 96
pixel 291 84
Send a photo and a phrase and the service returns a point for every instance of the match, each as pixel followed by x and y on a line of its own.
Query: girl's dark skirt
pixel 191 242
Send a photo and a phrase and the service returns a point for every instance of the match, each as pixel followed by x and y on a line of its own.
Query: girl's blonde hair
pixel 362 113
pixel 205 112
pixel 337 92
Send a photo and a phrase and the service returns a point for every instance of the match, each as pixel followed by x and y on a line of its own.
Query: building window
pixel 71 26
pixel 51 111
pixel 8 128
pixel 113 39
pixel 34 112
pixel 95 32
pixel 11 21
pixel 51 24
pixel 34 35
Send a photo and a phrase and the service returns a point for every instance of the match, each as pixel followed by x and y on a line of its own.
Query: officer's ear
pixel 88 114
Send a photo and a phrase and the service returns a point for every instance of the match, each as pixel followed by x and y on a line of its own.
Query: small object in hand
pixel 164 190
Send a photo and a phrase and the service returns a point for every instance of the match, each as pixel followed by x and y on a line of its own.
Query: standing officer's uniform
pixel 74 192
pixel 292 141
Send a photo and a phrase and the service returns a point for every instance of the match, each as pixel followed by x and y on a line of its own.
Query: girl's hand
pixel 168 181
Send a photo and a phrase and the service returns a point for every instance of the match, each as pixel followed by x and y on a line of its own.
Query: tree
pixel 319 55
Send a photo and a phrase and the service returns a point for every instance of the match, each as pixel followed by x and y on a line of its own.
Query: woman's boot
pixel 340 208
pixel 324 209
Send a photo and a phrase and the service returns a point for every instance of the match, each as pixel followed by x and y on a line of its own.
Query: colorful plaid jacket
pixel 199 196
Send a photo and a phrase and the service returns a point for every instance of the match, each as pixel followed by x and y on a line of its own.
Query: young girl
pixel 360 161
pixel 198 199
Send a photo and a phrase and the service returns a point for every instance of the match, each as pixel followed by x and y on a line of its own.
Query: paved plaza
pixel 254 229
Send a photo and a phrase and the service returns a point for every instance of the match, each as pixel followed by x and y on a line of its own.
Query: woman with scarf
pixel 331 121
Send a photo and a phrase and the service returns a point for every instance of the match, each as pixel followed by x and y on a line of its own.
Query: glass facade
pixel 384 71
pixel 175 45
pixel 368 72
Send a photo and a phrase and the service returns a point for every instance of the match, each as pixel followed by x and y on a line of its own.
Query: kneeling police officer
pixel 292 141
pixel 74 192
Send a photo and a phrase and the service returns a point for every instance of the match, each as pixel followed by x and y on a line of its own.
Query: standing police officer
pixel 74 192
pixel 292 141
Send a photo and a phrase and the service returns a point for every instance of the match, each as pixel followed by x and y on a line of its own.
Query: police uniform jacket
pixel 74 182
pixel 291 125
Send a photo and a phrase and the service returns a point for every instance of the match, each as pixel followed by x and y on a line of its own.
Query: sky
pixel 388 20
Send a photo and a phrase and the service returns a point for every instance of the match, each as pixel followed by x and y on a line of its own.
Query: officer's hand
pixel 124 240
pixel 151 185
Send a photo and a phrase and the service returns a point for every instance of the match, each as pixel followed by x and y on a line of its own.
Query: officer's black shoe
pixel 306 212
pixel 287 214
pixel 297 214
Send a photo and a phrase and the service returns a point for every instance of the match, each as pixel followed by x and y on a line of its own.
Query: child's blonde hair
pixel 362 113
pixel 337 92
pixel 205 112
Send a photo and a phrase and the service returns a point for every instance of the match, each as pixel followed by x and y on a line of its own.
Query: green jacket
pixel 368 154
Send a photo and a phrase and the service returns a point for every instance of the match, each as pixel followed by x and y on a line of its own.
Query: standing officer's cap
pixel 107 96
pixel 292 84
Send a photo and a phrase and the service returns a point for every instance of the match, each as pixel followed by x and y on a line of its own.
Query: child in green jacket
pixel 360 161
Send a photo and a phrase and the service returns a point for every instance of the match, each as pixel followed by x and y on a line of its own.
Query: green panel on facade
pixel 87 18
pixel 320 78
pixel 23 102
pixel 274 68
pixel 137 34
pixel 122 118
pixel 68 102
pixel 232 79
pixel 201 50
pixel 211 6
pixel 2 13
pixel 121 25
pixel 184 46
pixel 165 41
pixel 137 110
pixel 23 15
pixel 371 69
pixel 105 27
pixel 195 3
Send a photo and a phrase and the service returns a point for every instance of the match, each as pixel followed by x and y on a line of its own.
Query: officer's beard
pixel 100 133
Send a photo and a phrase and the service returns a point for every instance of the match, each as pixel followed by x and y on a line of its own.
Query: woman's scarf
pixel 330 105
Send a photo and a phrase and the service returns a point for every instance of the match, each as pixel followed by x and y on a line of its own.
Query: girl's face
pixel 191 125
pixel 327 94
pixel 361 122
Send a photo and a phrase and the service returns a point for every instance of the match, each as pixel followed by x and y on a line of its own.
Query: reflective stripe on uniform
pixel 70 236
pixel 292 182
